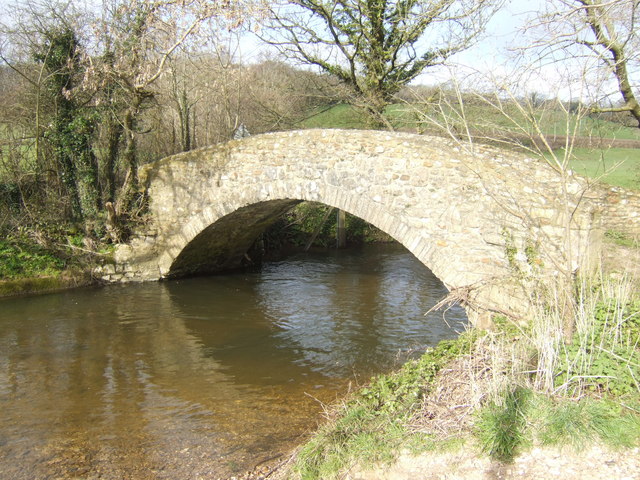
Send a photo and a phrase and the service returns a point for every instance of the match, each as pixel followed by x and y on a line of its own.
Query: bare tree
pixel 603 34
pixel 376 47
pixel 139 39
pixel 90 73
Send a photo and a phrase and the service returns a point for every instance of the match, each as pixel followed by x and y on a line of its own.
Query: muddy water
pixel 206 377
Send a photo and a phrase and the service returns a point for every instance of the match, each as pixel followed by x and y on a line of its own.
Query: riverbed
pixel 204 377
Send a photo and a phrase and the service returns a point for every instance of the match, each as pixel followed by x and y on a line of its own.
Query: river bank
pixel 594 462
pixel 480 418
pixel 47 284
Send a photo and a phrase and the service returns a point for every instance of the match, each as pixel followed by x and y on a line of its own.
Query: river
pixel 203 377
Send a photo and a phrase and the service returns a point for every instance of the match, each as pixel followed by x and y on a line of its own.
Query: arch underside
pixel 223 245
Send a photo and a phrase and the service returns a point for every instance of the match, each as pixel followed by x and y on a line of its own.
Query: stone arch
pixel 459 212
pixel 222 244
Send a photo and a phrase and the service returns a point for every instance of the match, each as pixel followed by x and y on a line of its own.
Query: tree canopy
pixel 376 46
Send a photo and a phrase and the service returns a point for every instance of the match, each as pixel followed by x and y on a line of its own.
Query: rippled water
pixel 205 377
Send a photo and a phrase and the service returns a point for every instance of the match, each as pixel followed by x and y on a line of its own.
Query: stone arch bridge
pixel 480 219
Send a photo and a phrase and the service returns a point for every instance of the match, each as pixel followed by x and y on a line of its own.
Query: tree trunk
pixel 130 187
pixel 67 168
pixel 88 190
pixel 341 230
pixel 114 134
pixel 185 117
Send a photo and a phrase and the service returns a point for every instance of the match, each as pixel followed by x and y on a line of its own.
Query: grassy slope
pixel 404 116
pixel 338 116
pixel 502 408
pixel 615 166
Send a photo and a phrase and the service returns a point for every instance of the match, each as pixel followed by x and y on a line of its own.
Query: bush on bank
pixel 53 261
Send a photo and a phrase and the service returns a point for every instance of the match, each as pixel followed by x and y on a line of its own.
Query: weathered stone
pixel 453 209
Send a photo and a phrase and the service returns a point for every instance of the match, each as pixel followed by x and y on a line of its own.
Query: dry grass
pixel 461 388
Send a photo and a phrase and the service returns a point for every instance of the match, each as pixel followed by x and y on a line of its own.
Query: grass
pixel 479 117
pixel 513 387
pixel 500 427
pixel 483 118
pixel 615 166
pixel 338 116
pixel 524 418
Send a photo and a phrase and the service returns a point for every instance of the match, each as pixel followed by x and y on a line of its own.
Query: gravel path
pixel 595 463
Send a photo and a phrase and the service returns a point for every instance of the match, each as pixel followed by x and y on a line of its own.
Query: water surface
pixel 205 377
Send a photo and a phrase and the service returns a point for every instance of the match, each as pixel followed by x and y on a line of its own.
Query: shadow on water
pixel 204 376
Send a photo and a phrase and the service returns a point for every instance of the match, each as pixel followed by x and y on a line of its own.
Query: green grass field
pixel 338 116
pixel 615 166
pixel 481 118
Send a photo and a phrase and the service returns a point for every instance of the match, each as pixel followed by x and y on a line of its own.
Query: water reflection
pixel 354 313
pixel 202 376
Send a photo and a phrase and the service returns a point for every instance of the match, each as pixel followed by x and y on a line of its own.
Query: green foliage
pixel 299 224
pixel 371 425
pixel 605 357
pixel 380 45
pixel 524 262
pixel 510 249
pixel 501 425
pixel 71 130
pixel 621 239
pixel 390 394
pixel 532 253
pixel 20 259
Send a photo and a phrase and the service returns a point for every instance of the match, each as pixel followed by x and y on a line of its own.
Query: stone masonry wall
pixel 619 210
pixel 481 219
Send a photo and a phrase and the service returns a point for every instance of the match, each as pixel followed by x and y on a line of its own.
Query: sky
pixel 490 55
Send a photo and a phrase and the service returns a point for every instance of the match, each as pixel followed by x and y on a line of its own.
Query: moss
pixel 24 286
